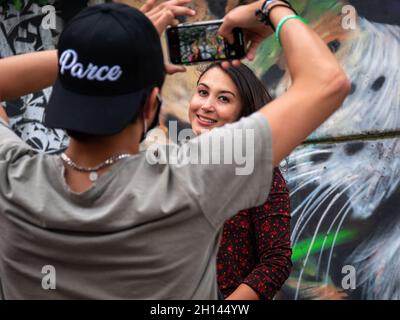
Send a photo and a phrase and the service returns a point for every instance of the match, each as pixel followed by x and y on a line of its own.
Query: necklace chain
pixel 110 161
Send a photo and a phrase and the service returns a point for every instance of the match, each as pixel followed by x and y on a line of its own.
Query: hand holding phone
pixel 254 31
pixel 200 42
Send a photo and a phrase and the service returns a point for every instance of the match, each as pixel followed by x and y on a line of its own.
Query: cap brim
pixel 97 115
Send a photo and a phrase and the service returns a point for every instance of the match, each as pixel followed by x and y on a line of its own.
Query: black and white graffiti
pixel 21 32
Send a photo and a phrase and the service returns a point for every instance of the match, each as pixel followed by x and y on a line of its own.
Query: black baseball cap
pixel 110 57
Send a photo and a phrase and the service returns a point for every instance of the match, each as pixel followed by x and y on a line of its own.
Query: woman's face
pixel 215 102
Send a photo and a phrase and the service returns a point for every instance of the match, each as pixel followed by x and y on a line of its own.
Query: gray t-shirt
pixel 142 231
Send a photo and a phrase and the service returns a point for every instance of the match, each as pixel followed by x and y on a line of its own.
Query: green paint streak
pixel 314 9
pixel 269 51
pixel 321 242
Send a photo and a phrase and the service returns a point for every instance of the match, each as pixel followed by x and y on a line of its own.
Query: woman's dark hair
pixel 253 94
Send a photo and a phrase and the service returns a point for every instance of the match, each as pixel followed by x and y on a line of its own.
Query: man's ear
pixel 150 107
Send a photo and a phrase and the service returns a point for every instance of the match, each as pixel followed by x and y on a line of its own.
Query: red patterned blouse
pixel 255 246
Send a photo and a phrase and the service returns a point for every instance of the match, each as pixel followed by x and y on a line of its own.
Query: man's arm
pixel 319 85
pixel 31 72
pixel 27 73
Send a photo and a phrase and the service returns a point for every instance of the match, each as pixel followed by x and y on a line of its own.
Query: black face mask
pixel 155 120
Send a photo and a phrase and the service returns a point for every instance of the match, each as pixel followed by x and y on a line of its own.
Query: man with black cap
pixel 107 222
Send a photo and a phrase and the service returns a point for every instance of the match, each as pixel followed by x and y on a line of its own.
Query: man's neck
pixel 90 154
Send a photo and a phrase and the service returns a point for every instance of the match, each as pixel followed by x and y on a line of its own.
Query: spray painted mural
pixel 344 180
pixel 21 32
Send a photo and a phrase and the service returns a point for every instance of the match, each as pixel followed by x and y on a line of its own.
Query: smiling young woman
pixel 254 254
pixel 215 102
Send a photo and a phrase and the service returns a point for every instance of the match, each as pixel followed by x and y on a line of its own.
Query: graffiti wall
pixel 21 32
pixel 344 180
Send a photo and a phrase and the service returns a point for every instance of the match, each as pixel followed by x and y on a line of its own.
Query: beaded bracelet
pixel 263 13
pixel 282 22
pixel 266 3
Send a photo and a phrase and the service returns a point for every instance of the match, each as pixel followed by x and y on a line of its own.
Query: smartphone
pixel 199 42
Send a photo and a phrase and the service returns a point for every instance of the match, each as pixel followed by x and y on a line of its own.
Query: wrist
pixel 278 13
pixel 267 6
pixel 258 5
pixel 267 15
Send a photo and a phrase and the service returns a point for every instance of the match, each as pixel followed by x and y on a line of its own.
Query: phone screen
pixel 195 43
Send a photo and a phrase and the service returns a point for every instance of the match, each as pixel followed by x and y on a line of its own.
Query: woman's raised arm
pixel 319 85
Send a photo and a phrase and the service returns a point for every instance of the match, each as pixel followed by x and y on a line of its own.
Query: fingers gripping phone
pixel 200 42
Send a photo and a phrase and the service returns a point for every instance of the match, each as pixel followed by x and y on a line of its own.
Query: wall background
pixel 344 179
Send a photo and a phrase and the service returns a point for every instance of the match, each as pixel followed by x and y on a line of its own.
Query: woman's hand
pixel 254 31
pixel 243 292
pixel 164 14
